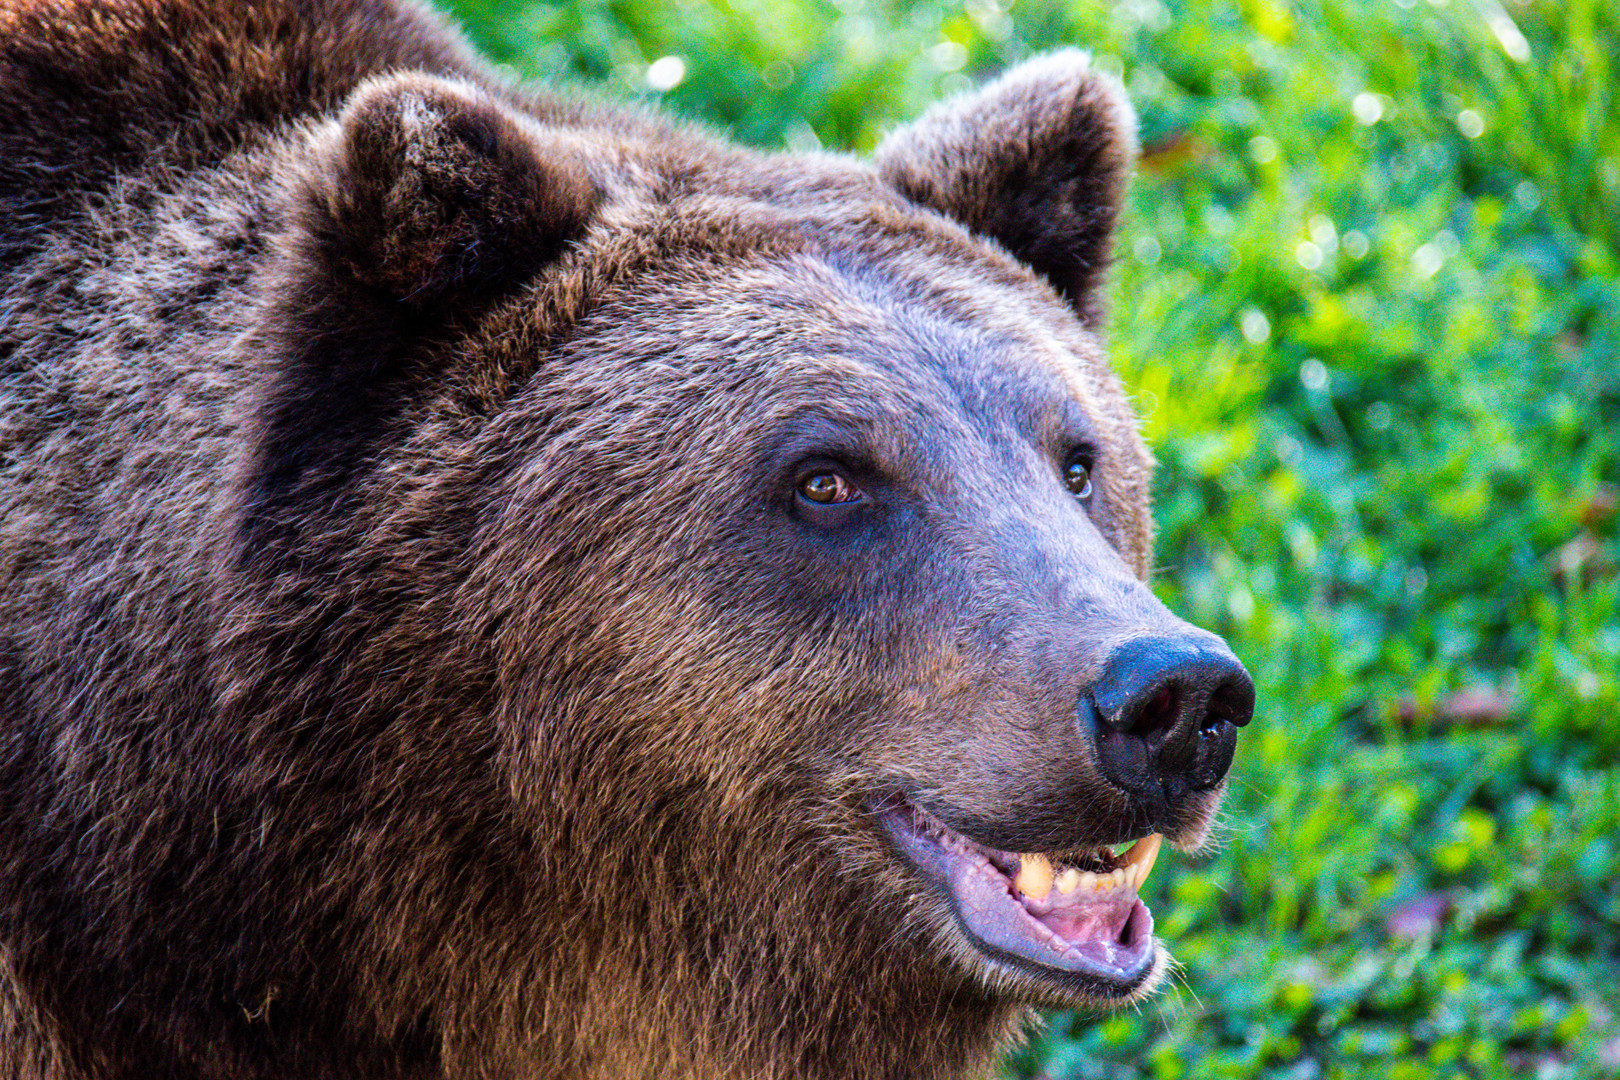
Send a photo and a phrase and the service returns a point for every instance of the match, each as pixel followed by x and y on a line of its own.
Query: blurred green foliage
pixel 1369 299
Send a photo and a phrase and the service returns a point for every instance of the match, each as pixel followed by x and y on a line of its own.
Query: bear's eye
pixel 1077 477
pixel 829 489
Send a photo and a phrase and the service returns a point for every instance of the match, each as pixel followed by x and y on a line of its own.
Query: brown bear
pixel 494 585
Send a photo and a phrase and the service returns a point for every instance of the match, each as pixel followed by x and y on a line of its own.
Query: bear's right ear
pixel 429 190
pixel 1037 160
pixel 426 200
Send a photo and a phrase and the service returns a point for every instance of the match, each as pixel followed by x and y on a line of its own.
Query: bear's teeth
pixel 1072 880
pixel 1138 862
pixel 1034 876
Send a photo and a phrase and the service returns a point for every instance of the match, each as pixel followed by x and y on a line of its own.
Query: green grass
pixel 1369 300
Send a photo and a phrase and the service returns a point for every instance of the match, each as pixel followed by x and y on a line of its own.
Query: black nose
pixel 1167 710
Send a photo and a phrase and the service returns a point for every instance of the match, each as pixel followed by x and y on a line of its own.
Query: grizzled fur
pixel 410 665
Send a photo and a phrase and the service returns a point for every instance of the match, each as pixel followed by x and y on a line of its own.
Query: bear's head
pixel 718 577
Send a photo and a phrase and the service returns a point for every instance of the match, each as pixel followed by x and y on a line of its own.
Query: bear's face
pixel 855 561
pixel 811 520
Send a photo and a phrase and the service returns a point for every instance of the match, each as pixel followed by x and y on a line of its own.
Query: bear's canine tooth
pixel 1138 862
pixel 1034 878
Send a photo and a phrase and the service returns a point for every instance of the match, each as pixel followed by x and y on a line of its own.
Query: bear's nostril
pixel 1158 714
pixel 1233 700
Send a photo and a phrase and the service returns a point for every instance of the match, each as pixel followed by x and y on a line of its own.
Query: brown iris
pixel 828 489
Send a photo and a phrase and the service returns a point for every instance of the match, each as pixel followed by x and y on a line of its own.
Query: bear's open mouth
pixel 1073 917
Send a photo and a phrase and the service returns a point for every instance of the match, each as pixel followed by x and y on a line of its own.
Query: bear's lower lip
pixel 1094 943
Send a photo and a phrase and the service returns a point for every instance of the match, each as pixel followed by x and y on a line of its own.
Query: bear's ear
pixel 426 200
pixel 1037 160
pixel 429 190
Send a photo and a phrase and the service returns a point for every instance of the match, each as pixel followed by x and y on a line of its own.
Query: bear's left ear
pixel 1037 160
pixel 429 190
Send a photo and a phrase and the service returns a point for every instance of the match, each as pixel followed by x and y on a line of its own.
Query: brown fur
pixel 406 667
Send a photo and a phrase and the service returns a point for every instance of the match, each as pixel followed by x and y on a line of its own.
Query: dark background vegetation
pixel 1369 302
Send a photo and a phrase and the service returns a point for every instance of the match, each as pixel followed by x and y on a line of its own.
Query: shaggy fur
pixel 412 663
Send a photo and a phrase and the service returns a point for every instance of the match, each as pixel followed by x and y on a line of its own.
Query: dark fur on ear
pixel 424 203
pixel 433 192
pixel 1037 160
